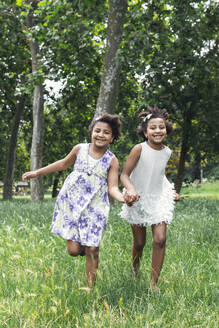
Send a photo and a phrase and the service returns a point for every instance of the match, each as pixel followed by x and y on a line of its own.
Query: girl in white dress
pixel 149 195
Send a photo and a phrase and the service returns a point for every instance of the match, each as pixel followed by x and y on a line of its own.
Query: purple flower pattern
pixel 100 217
pixel 82 206
pixel 95 229
pixel 88 189
pixel 81 201
pixel 80 180
pixel 83 222
pixel 71 207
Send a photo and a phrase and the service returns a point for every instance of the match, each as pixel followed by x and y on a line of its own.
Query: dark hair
pixel 113 121
pixel 154 112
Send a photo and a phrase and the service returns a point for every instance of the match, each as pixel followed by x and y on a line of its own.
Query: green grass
pixel 206 190
pixel 42 286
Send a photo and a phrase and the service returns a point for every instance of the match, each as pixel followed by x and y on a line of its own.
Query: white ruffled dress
pixel 157 194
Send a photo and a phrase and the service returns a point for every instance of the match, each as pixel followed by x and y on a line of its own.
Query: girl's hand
pixel 177 197
pixel 131 197
pixel 29 175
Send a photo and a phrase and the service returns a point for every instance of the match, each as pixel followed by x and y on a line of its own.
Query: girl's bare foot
pixel 153 289
pixel 88 290
pixel 135 273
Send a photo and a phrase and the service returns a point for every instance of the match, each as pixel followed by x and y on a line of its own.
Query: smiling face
pixel 102 135
pixel 156 131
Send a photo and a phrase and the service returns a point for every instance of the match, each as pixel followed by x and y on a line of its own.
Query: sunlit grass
pixel 208 190
pixel 42 286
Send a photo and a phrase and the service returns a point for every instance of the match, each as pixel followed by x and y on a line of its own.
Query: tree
pixel 168 55
pixel 10 164
pixel 13 55
pixel 37 192
pixel 176 55
pixel 183 68
pixel 110 78
pixel 78 29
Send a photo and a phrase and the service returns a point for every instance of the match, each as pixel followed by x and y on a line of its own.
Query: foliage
pixel 181 72
pixel 14 65
pixel 168 56
pixel 75 61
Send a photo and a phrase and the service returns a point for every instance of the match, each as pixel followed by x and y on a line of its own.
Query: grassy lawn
pixel 42 286
pixel 206 190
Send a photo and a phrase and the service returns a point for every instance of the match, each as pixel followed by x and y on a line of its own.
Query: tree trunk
pixel 181 167
pixel 110 79
pixel 184 150
pixel 10 165
pixel 197 163
pixel 201 174
pixel 55 185
pixel 37 190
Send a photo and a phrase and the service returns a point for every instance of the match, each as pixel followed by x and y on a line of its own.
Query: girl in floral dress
pixel 82 206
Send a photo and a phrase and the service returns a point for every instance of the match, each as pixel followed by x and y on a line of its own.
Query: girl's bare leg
pixel 92 261
pixel 159 243
pixel 74 248
pixel 139 239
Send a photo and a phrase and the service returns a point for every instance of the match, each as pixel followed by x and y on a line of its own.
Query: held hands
pixel 29 175
pixel 131 197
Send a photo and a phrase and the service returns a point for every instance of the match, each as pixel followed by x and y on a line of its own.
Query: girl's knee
pixel 139 245
pixel 73 252
pixel 73 248
pixel 159 241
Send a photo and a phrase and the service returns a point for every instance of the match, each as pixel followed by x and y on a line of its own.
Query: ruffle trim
pixel 151 209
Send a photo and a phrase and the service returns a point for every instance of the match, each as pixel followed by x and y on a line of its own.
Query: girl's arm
pixel 131 194
pixel 113 181
pixel 60 165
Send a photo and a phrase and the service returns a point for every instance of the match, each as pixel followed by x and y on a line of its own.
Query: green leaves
pixel 19 2
pixel 168 56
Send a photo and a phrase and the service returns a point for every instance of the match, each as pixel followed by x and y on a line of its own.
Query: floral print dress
pixel 82 206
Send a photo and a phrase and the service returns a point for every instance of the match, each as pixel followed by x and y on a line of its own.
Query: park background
pixel 62 63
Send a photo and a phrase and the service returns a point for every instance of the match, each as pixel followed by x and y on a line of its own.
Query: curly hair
pixel 113 121
pixel 153 112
